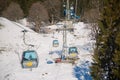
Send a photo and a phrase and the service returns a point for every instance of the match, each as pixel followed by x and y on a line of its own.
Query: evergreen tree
pixel 106 56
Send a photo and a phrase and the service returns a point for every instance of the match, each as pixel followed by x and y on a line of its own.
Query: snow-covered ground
pixel 12 47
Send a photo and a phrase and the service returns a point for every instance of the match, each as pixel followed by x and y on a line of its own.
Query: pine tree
pixel 116 56
pixel 106 56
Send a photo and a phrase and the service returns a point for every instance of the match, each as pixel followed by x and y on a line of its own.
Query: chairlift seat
pixel 29 59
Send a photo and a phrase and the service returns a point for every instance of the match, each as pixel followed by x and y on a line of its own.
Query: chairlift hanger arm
pixel 24 30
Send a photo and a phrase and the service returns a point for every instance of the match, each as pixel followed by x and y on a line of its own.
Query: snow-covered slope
pixel 12 46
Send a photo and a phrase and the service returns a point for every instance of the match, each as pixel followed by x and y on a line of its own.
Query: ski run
pixel 12 46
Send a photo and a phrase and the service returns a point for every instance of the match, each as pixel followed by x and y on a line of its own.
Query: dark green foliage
pixel 116 56
pixel 107 53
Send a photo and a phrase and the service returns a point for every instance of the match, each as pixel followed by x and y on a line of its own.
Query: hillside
pixel 12 47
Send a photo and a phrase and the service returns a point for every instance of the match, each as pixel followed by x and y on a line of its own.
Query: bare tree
pixel 3 5
pixel 92 16
pixel 13 12
pixel 54 9
pixel 37 14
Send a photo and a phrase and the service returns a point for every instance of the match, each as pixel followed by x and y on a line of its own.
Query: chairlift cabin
pixel 55 43
pixel 73 53
pixel 29 59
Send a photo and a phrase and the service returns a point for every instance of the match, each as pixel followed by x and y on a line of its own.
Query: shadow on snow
pixel 82 72
pixel 59 52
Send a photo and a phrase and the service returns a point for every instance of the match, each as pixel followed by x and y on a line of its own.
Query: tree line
pixel 53 7
pixel 106 65
pixel 42 10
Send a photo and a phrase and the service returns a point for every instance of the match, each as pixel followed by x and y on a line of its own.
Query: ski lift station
pixel 29 59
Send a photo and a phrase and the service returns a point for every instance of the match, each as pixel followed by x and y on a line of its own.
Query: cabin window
pixel 30 55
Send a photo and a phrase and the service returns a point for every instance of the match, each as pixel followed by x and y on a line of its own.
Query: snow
pixel 12 47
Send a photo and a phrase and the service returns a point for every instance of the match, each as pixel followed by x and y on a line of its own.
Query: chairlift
pixel 55 43
pixel 29 59
pixel 73 53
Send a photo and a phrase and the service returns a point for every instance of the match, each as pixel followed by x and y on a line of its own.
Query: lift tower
pixel 67 18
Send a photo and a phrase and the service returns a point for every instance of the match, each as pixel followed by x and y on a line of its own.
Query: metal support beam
pixel 68 10
pixel 65 31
